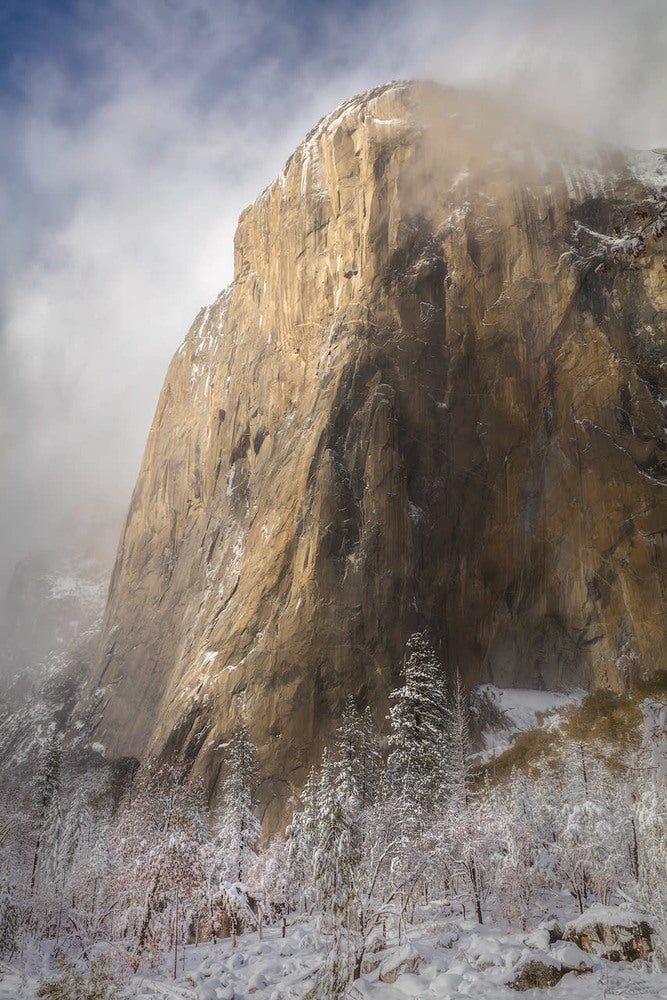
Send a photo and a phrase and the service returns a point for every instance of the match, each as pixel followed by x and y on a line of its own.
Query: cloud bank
pixel 135 137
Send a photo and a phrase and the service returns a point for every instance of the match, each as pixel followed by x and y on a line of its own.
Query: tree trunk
pixel 176 935
pixel 35 860
pixel 478 910
pixel 143 933
pixel 635 850
pixel 476 893
pixel 210 910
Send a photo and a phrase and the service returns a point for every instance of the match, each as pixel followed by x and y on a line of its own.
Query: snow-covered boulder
pixel 572 958
pixel 545 934
pixel 549 962
pixel 612 933
pixel 537 973
pixel 398 961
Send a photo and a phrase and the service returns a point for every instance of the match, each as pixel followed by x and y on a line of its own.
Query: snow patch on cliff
pixel 650 167
pixel 514 710
pixel 311 169
pixel 584 181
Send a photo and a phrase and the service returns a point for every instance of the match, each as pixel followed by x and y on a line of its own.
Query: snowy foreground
pixel 393 846
pixel 454 958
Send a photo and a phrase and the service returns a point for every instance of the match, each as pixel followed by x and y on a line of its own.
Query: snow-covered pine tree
pixel 354 863
pixel 78 824
pixel 10 912
pixel 10 921
pixel 301 842
pixel 357 762
pixel 335 860
pixel 651 810
pixel 239 829
pixel 233 853
pixel 419 718
pixel 45 791
pixel 268 881
pixel 17 829
pixel 52 869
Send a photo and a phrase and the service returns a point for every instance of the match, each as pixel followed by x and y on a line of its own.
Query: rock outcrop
pixel 428 400
pixel 536 974
pixel 612 933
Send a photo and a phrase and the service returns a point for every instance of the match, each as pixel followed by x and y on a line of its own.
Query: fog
pixel 131 142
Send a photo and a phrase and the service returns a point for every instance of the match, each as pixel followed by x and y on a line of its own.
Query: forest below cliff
pixel 113 879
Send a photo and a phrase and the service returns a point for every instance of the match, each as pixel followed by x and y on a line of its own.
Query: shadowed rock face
pixel 420 404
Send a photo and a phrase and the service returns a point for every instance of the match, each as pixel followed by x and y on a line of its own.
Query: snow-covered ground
pixel 516 710
pixel 452 958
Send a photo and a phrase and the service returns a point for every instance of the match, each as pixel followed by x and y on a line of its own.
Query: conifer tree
pixel 232 856
pixel 301 842
pixel 45 792
pixel 239 829
pixel 357 761
pixel 10 910
pixel 269 881
pixel 335 860
pixel 418 718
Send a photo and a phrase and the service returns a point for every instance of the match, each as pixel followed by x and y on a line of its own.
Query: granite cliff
pixel 428 400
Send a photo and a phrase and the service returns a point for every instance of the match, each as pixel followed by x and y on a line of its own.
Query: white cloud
pixel 123 182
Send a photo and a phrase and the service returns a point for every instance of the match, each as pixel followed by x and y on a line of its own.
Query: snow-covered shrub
pixel 94 980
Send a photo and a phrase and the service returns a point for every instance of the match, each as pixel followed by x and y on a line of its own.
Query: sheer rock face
pixel 420 404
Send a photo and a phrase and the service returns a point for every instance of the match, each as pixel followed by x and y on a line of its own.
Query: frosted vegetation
pixel 411 867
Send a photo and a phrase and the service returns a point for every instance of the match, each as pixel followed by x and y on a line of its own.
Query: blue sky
pixel 135 131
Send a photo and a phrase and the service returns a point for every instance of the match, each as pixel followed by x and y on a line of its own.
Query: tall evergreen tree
pixel 418 718
pixel 357 762
pixel 335 861
pixel 239 828
pixel 45 792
